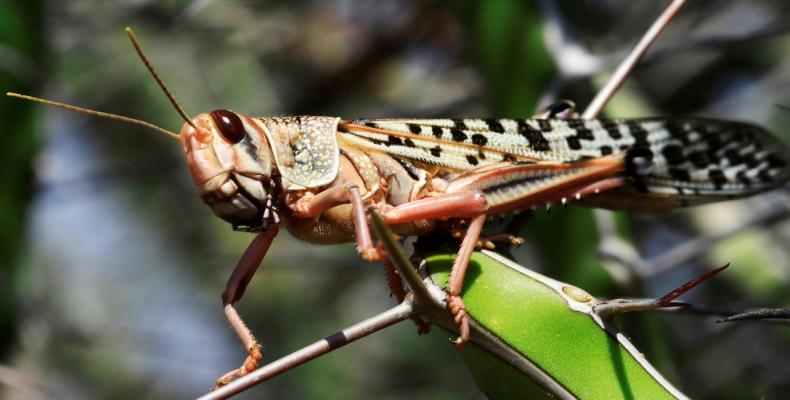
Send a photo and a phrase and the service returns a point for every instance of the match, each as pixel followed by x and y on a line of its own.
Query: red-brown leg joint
pixel 254 357
pixel 371 254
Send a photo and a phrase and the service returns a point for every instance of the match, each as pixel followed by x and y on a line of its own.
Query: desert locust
pixel 317 175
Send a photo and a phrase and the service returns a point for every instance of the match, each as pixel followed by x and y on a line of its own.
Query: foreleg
pixel 234 289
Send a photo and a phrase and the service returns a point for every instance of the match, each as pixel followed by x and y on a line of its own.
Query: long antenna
pixel 161 83
pixel 95 113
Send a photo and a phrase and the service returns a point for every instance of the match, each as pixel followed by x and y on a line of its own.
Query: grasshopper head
pixel 228 155
pixel 231 164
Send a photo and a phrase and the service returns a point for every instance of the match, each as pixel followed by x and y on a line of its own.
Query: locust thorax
pixel 231 165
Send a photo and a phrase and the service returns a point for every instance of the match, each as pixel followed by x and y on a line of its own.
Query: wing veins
pixel 348 125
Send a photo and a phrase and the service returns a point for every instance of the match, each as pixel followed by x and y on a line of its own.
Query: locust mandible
pixel 317 175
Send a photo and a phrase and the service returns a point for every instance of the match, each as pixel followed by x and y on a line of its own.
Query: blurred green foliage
pixel 124 265
pixel 22 70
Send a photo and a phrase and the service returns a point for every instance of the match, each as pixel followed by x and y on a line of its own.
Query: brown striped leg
pixel 237 283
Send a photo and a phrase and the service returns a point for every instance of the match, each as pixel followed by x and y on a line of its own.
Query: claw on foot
pixel 250 364
pixel 457 308
pixel 488 242
pixel 371 255
pixel 485 244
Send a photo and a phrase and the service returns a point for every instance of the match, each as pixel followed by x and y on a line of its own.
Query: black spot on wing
pixel 733 156
pixel 581 129
pixel 459 123
pixel 677 131
pixel 471 159
pixel 544 125
pixel 639 133
pixel 717 177
pixel 394 141
pixel 612 128
pixel 414 128
pixel 605 150
pixel 775 161
pixel 673 154
pixel 536 140
pixel 742 178
pixel 574 143
pixel 765 176
pixel 581 133
pixel 458 134
pixel 436 151
pixel 715 143
pixel 680 174
pixel 479 139
pixel 699 159
pixel 409 143
pixel 494 125
pixel 585 134
pixel 751 161
pixel 437 132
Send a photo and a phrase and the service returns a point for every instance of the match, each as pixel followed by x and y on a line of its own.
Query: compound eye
pixel 229 125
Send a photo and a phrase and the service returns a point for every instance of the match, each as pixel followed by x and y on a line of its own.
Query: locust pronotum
pixel 317 175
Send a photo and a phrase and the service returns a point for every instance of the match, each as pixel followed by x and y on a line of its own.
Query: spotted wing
pixel 694 158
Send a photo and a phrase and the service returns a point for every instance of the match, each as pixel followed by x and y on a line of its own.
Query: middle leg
pixel 469 204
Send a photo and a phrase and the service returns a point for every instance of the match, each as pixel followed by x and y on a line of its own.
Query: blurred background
pixel 111 269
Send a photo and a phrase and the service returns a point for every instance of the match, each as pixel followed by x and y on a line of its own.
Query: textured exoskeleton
pixel 317 175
